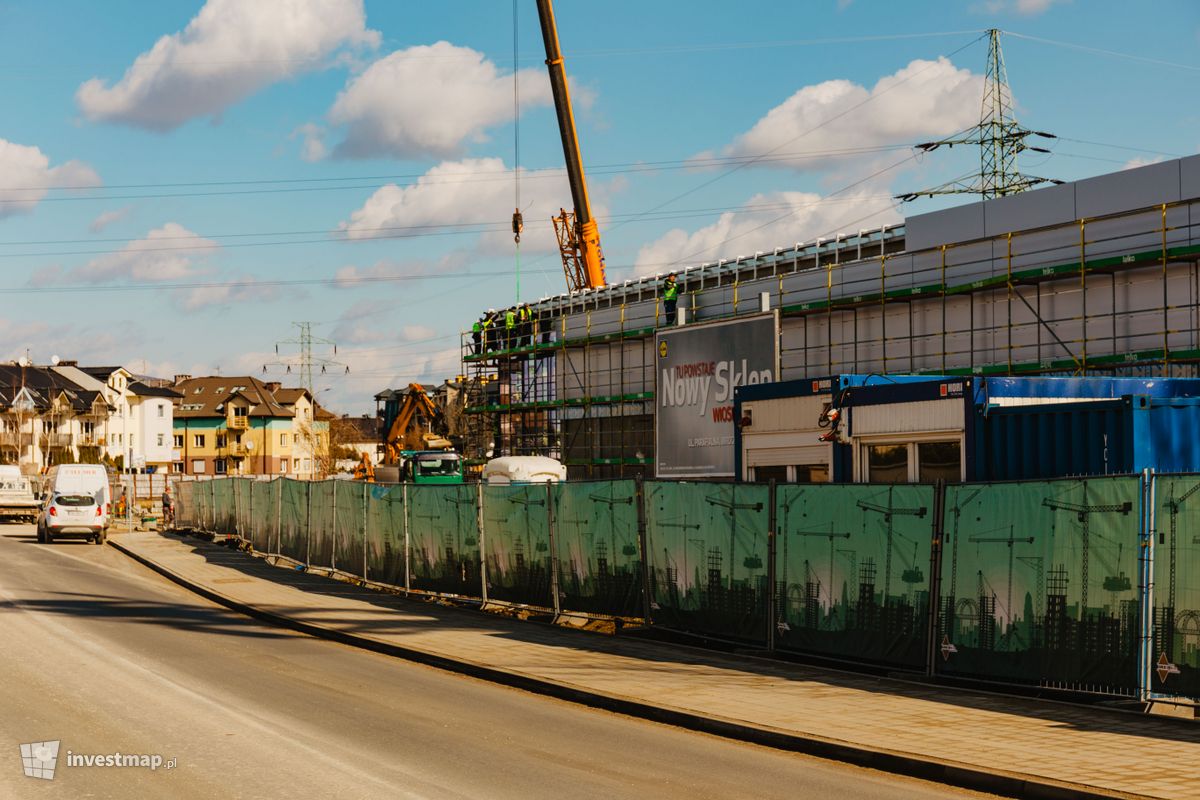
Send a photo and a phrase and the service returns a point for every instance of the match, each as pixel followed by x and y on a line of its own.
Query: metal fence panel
pixel 596 536
pixel 707 553
pixel 293 522
pixel 385 534
pixel 444 539
pixel 517 541
pixel 852 571
pixel 1039 583
pixel 261 515
pixel 1176 651
pixel 321 523
pixel 349 519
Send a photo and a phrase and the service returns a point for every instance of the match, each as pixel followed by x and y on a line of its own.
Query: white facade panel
pixel 922 416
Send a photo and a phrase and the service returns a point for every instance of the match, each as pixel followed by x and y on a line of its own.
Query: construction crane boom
pixel 578 234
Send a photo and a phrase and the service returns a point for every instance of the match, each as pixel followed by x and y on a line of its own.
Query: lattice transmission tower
pixel 998 135
pixel 305 361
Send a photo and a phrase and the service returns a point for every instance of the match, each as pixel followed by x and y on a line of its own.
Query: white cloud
pixel 230 50
pixel 312 137
pixel 428 101
pixel 108 218
pixel 387 270
pixel 27 172
pixel 1141 161
pixel 243 289
pixel 467 192
pixel 169 253
pixel 923 100
pixel 778 219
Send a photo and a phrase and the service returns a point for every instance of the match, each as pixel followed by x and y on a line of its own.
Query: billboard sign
pixel 697 369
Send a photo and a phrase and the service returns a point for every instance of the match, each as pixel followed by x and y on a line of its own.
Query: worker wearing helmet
pixel 510 328
pixel 525 325
pixel 670 298
pixel 477 337
pixel 489 329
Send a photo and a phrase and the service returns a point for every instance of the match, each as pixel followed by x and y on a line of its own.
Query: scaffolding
pixel 1111 293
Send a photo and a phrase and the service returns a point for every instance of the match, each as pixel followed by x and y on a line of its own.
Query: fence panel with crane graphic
pixel 852 571
pixel 599 555
pixel 385 514
pixel 1176 651
pixel 444 539
pixel 707 551
pixel 516 527
pixel 1037 586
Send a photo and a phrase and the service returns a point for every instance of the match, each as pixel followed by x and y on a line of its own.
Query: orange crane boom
pixel 578 234
pixel 398 436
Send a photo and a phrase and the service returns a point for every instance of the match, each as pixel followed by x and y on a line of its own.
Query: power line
pixel 1103 52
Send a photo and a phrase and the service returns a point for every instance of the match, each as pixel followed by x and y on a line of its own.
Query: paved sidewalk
pixel 1039 748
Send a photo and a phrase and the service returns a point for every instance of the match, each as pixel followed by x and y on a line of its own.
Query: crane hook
pixel 518 225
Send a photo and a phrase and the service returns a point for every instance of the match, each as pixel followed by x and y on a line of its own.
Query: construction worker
pixel 510 328
pixel 670 298
pixel 488 325
pixel 525 325
pixel 477 336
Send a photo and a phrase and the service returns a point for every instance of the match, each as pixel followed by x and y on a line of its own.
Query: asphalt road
pixel 106 656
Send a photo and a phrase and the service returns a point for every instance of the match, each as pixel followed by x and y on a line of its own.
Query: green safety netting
pixel 262 513
pixel 203 495
pixel 596 538
pixel 385 534
pixel 1038 583
pixel 517 543
pixel 185 504
pixel 444 539
pixel 241 506
pixel 349 530
pixel 852 571
pixel 1176 654
pixel 292 533
pixel 320 523
pixel 707 551
pixel 221 490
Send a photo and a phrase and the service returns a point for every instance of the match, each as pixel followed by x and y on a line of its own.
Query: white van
pixel 523 469
pixel 17 500
pixel 75 503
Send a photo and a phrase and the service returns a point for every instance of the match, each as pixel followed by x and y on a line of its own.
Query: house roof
pixel 43 385
pixel 146 390
pixel 360 429
pixel 207 396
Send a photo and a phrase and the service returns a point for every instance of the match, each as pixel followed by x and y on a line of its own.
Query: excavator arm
pixel 416 401
pixel 578 234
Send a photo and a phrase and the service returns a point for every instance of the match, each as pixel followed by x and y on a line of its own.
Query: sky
pixel 181 183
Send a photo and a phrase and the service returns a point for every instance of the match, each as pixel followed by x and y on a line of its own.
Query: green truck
pixel 431 466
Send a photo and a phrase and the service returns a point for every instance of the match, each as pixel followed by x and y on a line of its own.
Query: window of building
pixel 219 466
pixel 237 438
pixel 939 460
pixel 220 440
pixel 811 473
pixel 295 438
pixel 177 466
pixel 162 410
pixel 887 463
pixel 198 440
pixel 198 466
pixel 177 440
pixel 131 440
pixel 913 461
pixel 283 440
pixel 240 411
pixel 283 465
pixel 764 474
pixel 307 466
pixel 161 439
pixel 87 428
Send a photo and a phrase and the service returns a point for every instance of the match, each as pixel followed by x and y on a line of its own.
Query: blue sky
pixel 180 182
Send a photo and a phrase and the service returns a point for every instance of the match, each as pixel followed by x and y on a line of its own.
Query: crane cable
pixel 518 224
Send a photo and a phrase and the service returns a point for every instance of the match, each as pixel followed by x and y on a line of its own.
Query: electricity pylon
pixel 999 137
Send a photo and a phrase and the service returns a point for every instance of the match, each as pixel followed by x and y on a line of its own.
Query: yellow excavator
pixel 578 234
pixel 412 429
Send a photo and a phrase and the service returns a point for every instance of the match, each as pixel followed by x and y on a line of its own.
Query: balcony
pixel 238 451
pixel 56 440
pixel 15 439
pixel 239 423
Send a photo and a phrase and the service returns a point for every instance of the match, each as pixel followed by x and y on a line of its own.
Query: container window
pixel 765 474
pixel 939 460
pixel 887 463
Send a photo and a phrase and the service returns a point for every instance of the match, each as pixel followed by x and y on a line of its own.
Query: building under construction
pixel 1095 276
